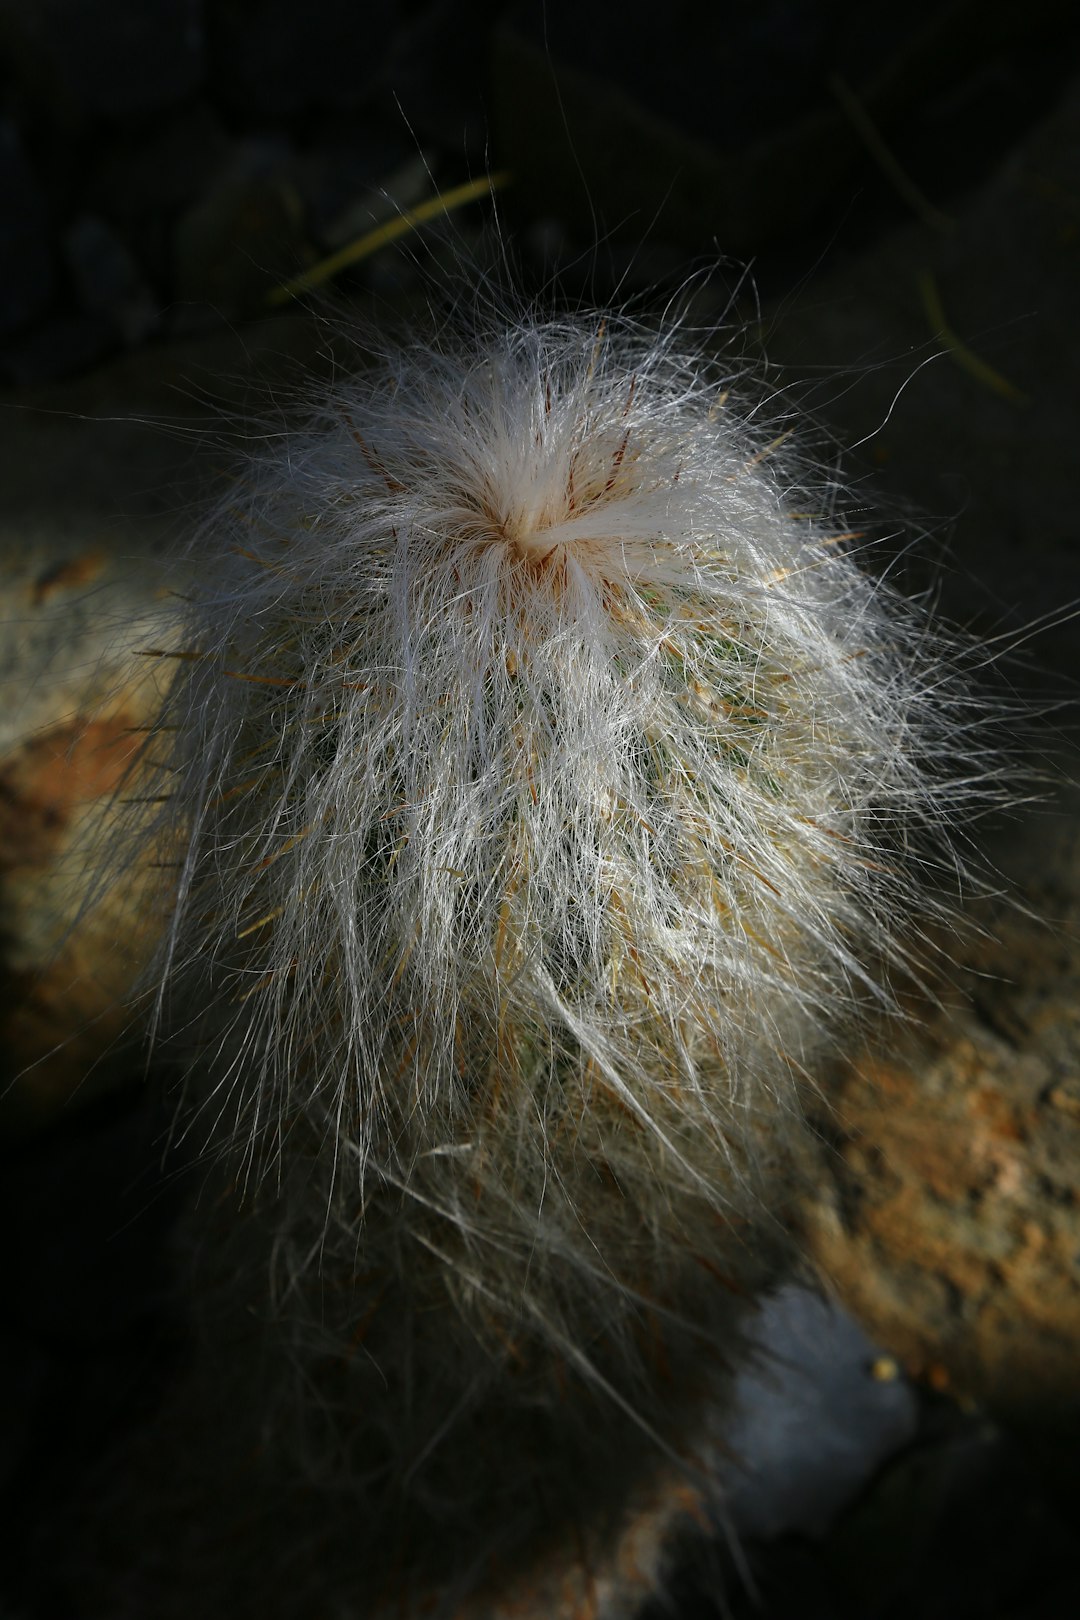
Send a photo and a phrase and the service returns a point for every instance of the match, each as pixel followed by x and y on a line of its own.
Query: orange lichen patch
pixel 43 781
pixel 67 576
pixel 65 978
pixel 997 1114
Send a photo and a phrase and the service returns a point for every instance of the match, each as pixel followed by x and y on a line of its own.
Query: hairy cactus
pixel 547 785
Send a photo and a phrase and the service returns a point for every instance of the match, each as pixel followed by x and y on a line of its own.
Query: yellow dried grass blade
pixel 370 243
pixel 885 158
pixel 972 363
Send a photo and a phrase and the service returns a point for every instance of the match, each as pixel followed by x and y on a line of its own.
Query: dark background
pixel 165 162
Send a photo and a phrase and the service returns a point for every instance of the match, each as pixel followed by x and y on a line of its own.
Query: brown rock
pixel 952 1227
